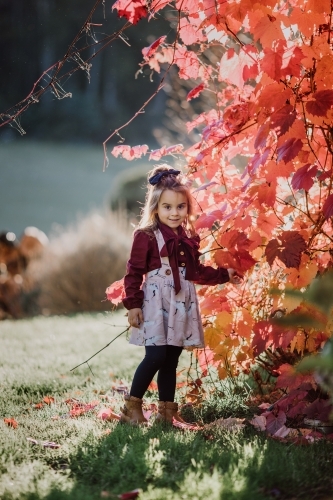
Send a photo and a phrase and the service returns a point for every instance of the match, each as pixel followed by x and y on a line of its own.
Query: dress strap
pixel 161 243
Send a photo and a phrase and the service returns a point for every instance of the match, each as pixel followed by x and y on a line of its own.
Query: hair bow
pixel 155 179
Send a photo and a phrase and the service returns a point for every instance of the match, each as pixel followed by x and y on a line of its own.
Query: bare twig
pixel 107 345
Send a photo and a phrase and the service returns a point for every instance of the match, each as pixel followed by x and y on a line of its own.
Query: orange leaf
pixel 11 422
pixel 48 400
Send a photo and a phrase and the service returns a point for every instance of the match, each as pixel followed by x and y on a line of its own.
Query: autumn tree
pixel 272 112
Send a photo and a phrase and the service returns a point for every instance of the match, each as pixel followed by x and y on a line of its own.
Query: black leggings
pixel 161 358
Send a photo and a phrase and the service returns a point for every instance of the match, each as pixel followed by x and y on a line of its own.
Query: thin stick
pixel 107 345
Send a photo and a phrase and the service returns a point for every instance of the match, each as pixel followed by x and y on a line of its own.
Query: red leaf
pixel 289 150
pixel 261 137
pixel 38 406
pixel 207 220
pixel 195 92
pixel 303 178
pixel 320 409
pixel 267 194
pixel 242 261
pixel 129 495
pixel 328 207
pixel 272 62
pixel 234 240
pixel 290 378
pixel 11 422
pixel 288 249
pixel 321 103
pixel 275 422
pixel 149 51
pixel 262 337
pixel 115 293
pixel 283 118
pixel 133 10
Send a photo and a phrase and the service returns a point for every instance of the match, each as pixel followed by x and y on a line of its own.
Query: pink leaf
pixel 157 154
pixel 303 178
pixel 115 293
pixel 289 150
pixel 157 5
pixel 259 422
pixel 207 220
pixel 275 422
pixel 205 186
pixel 129 153
pixel 147 414
pixel 189 33
pixel 195 92
pixel 133 10
pixel 328 207
pixel 107 414
pixel 282 432
pixel 149 51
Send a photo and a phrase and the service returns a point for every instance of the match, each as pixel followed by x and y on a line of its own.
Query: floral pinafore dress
pixel 169 319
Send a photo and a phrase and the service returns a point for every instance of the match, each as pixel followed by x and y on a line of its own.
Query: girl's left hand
pixel 234 277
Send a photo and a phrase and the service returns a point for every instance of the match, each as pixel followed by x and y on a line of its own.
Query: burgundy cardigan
pixel 182 252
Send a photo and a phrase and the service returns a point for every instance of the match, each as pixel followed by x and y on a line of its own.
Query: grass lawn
pixel 95 456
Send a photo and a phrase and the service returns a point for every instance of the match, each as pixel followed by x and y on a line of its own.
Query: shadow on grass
pixel 170 464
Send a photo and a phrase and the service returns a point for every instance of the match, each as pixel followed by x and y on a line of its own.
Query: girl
pixel 164 313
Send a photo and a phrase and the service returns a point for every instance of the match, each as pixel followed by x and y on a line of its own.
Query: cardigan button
pixel 182 253
pixel 168 272
pixel 183 264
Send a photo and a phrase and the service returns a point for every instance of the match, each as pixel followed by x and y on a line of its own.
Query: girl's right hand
pixel 234 277
pixel 135 317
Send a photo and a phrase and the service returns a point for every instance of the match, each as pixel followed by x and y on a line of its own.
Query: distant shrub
pixel 79 263
pixel 129 190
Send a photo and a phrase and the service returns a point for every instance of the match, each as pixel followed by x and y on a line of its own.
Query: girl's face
pixel 172 208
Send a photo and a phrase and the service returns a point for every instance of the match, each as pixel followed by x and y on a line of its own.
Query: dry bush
pixel 80 262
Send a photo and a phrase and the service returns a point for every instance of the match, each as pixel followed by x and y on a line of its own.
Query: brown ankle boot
pixel 132 411
pixel 167 411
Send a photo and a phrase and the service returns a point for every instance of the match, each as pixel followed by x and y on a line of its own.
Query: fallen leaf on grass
pixel 48 400
pixel 79 408
pixel 107 414
pixel 185 426
pixel 229 424
pixel 123 496
pixel 259 422
pixel 152 386
pixel 11 422
pixel 120 386
pixel 45 444
pixel 38 406
pixel 147 414
pixel 282 432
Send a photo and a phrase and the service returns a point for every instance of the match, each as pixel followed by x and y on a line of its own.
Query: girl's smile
pixel 172 208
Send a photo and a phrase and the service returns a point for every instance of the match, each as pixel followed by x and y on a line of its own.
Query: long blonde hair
pixel 178 183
